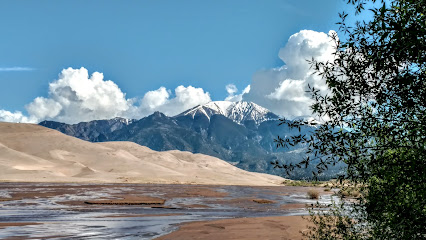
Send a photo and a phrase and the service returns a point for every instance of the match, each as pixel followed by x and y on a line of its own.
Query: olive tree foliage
pixel 334 222
pixel 373 116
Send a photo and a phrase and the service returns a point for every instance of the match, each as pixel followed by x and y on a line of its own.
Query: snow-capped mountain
pixel 237 111
pixel 125 121
pixel 241 133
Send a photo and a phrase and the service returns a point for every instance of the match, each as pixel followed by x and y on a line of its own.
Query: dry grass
pixel 350 192
pixel 313 194
pixel 303 183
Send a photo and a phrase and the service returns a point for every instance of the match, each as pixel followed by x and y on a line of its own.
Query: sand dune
pixel 32 153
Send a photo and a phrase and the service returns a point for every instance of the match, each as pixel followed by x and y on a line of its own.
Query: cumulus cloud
pixel 44 108
pixel 6 116
pixel 232 89
pixel 283 89
pixel 162 100
pixel 153 99
pixel 75 97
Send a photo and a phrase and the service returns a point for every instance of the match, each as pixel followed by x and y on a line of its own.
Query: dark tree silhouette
pixel 373 116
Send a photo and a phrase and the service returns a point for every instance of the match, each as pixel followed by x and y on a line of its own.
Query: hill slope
pixel 34 153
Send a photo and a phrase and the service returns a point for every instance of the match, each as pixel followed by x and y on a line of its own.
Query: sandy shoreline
pixel 285 227
pixel 16 224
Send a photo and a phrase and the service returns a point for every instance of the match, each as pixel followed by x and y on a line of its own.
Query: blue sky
pixel 144 45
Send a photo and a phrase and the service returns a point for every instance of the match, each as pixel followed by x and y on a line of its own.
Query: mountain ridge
pixel 245 141
pixel 237 111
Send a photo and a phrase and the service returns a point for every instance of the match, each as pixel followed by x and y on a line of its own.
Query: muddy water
pixel 60 210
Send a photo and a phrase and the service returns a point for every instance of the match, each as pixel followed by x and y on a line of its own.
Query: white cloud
pixel 153 99
pixel 15 69
pixel 232 89
pixel 76 97
pixel 6 116
pixel 43 108
pixel 161 100
pixel 283 89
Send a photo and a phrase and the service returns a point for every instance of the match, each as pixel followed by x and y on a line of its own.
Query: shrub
pixel 333 221
pixel 313 194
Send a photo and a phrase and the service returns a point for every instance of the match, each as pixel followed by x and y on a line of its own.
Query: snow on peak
pixel 237 111
pixel 123 120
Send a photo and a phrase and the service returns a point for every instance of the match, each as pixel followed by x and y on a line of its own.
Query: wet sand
pixel 129 200
pixel 293 206
pixel 288 227
pixel 142 215
pixel 16 224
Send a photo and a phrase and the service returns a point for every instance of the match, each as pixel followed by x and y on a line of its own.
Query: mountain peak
pixel 123 120
pixel 237 111
pixel 157 114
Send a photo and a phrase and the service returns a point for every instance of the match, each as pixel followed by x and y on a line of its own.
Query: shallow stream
pixel 58 211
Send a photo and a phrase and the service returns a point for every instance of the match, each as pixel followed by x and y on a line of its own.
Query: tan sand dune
pixel 33 153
